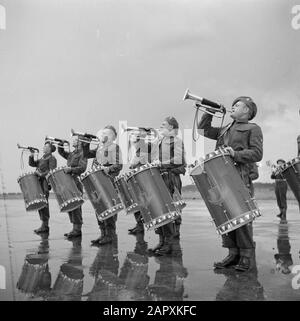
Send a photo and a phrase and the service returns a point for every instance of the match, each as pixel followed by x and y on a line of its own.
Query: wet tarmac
pixel 52 268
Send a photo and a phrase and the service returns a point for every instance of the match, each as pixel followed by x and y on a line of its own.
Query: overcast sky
pixel 84 64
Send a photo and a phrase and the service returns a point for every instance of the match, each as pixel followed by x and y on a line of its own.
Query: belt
pixel 280 180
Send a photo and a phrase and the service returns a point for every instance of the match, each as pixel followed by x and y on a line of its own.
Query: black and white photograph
pixel 149 152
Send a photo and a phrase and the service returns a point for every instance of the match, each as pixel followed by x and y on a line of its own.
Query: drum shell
pixel 127 195
pixel 224 192
pixel 67 194
pixel 68 287
pixel 291 172
pixel 134 272
pixel 156 203
pixel 32 191
pixel 31 277
pixel 107 287
pixel 102 194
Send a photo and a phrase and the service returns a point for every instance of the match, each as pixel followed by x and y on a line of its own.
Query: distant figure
pixel 280 190
pixel 298 142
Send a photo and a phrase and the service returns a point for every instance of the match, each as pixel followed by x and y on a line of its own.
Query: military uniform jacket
pixel 172 157
pixel 44 165
pixel 142 156
pixel 107 155
pixel 76 161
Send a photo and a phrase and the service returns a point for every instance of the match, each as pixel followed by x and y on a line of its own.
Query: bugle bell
pixel 30 148
pixel 85 137
pixel 149 133
pixel 207 106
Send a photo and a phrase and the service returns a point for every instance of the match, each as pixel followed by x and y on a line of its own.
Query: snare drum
pixel 69 283
pixel 33 194
pixel 32 278
pixel 101 193
pixel 107 287
pixel 223 191
pixel 65 189
pixel 127 196
pixel 156 203
pixel 134 272
pixel 291 172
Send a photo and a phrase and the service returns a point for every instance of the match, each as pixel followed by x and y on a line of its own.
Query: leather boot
pixel 96 241
pixel 43 229
pixel 76 232
pixel 247 260
pixel 176 230
pixel 108 237
pixel 243 265
pixel 283 215
pixel 166 248
pixel 158 246
pixel 230 260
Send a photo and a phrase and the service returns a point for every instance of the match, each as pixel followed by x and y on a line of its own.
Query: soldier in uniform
pixel 280 191
pixel 77 164
pixel 245 144
pixel 108 155
pixel 172 164
pixel 43 166
pixel 142 156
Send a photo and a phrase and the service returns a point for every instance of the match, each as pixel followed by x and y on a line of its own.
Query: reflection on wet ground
pixel 48 267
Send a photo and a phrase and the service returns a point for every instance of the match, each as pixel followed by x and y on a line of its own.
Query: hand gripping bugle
pixel 56 141
pixel 85 137
pixel 208 106
pixel 28 148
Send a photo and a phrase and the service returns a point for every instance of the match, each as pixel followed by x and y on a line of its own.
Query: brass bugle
pixel 56 141
pixel 151 133
pixel 28 148
pixel 85 137
pixel 208 106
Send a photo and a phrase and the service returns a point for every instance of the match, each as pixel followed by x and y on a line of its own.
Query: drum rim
pixel 79 199
pixel 91 171
pixel 25 174
pixel 36 201
pixel 215 154
pixel 140 169
pixel 57 169
pixel 128 257
pixel 252 215
pixel 110 212
pixel 173 215
pixel 121 176
pixel 289 164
